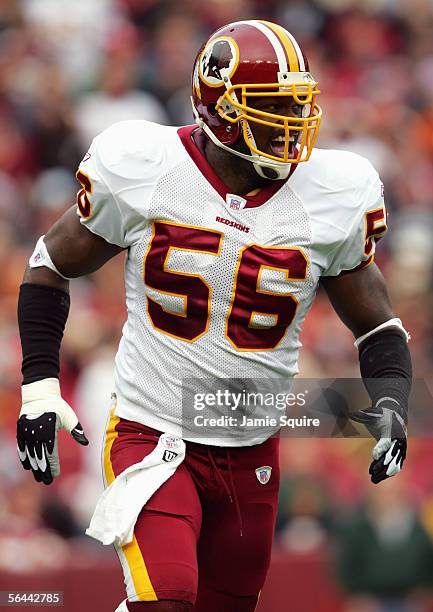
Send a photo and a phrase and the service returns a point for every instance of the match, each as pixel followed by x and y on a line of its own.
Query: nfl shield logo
pixel 171 442
pixel 264 474
pixel 235 202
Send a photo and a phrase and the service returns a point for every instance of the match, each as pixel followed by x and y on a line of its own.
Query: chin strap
pixel 268 171
pixel 265 168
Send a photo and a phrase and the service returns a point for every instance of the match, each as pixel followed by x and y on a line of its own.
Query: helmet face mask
pixel 241 76
pixel 301 130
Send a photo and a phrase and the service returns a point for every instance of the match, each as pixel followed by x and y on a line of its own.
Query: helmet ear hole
pixel 212 110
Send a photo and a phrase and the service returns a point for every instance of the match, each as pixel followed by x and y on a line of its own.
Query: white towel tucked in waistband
pixel 120 504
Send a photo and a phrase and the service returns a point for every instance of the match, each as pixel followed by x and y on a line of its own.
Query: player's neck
pixel 238 174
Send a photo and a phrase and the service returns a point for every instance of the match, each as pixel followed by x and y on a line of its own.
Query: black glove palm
pixel 37 444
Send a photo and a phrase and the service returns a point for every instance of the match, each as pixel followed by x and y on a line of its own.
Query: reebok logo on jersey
pixel 239 226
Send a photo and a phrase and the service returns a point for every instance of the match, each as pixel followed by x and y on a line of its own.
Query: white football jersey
pixel 217 285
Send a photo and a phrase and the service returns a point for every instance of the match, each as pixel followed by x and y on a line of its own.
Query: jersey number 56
pixel 247 302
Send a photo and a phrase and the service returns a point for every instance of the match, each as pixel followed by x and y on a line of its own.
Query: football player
pixel 228 226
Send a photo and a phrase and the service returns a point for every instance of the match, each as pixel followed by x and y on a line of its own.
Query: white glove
pixel 42 414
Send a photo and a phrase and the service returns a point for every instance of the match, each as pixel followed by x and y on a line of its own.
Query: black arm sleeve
pixel 42 315
pixel 386 366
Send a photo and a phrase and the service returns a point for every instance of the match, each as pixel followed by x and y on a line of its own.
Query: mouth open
pixel 277 146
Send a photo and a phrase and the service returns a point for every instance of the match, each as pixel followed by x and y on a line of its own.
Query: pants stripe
pixel 110 436
pixel 131 558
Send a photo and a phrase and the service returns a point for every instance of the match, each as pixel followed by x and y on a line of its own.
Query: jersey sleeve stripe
pixel 363 264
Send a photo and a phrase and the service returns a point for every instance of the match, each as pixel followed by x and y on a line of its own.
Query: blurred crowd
pixel 70 69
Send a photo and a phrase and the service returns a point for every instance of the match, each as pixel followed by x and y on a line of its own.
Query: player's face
pixel 271 139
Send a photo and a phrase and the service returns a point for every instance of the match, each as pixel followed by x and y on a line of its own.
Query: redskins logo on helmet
pixel 254 59
pixel 218 60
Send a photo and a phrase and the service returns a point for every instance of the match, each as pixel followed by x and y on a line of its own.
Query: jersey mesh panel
pixel 151 364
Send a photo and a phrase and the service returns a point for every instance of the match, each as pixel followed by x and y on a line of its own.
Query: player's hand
pixel 43 414
pixel 387 422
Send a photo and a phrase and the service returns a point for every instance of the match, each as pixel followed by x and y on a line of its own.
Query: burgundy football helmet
pixel 256 59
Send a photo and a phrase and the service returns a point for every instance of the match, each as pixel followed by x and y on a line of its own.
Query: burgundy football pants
pixel 206 535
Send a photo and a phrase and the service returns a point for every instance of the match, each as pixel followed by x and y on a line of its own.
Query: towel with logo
pixel 120 504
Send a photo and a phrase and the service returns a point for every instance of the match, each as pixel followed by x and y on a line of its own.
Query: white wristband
pixel 40 257
pixel 396 323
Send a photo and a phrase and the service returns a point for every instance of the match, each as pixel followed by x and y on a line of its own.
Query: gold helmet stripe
pixel 297 49
pixel 291 47
pixel 275 41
